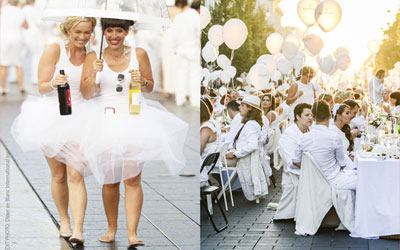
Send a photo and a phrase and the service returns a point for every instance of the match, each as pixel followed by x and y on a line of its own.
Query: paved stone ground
pixel 170 216
pixel 251 226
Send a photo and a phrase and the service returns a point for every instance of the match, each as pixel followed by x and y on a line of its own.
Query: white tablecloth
pixel 377 208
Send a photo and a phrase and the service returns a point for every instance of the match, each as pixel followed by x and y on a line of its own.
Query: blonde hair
pixel 13 2
pixel 72 21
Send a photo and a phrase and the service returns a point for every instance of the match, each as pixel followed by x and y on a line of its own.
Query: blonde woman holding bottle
pixel 41 127
pixel 119 143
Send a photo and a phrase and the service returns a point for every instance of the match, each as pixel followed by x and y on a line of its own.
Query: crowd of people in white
pixel 286 125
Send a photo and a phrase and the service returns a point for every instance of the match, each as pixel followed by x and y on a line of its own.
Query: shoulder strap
pixel 237 136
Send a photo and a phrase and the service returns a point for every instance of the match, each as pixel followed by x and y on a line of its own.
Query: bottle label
pixel 134 97
pixel 68 98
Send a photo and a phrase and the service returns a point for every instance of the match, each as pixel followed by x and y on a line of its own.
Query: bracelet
pixel 146 82
pixel 51 85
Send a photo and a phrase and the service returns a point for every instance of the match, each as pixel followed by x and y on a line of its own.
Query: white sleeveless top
pixel 211 147
pixel 308 93
pixel 109 80
pixel 74 76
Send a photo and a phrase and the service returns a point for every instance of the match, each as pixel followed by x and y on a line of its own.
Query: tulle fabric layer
pixel 119 143
pixel 40 126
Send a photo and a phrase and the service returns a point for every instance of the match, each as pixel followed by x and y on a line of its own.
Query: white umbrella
pixel 147 14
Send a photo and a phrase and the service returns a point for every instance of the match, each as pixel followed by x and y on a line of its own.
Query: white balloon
pixel 225 76
pixel 341 50
pixel 205 17
pixel 343 61
pixel 313 44
pixel 208 53
pixel 258 76
pixel 397 66
pixel 223 61
pixel 234 33
pixel 269 62
pixel 277 57
pixel 298 61
pixel 289 50
pixel 215 75
pixel 276 76
pixel 292 38
pixel 274 43
pixel 284 66
pixel 327 64
pixel 205 73
pixel 328 14
pixel 373 46
pixel 215 35
pixel 232 71
pixel 222 90
pixel 306 11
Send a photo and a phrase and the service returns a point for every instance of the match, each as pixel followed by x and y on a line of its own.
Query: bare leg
pixel 3 77
pixel 20 76
pixel 111 203
pixel 77 200
pixel 59 191
pixel 133 205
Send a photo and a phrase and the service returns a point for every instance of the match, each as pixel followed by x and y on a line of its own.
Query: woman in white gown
pixel 119 144
pixel 41 127
pixel 12 24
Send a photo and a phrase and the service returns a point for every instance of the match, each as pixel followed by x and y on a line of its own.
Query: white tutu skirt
pixel 40 126
pixel 118 144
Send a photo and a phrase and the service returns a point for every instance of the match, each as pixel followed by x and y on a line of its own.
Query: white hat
pixel 252 100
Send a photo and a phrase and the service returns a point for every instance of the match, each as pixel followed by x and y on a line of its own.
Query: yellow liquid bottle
pixel 134 97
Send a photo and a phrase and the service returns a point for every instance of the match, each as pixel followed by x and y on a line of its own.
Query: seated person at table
pixel 246 139
pixel 327 149
pixel 234 114
pixel 342 117
pixel 354 108
pixel 302 121
pixel 209 133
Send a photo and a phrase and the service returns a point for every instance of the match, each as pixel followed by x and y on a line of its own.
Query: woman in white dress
pixel 40 126
pixel 12 24
pixel 342 118
pixel 209 132
pixel 268 106
pixel 394 106
pixel 119 144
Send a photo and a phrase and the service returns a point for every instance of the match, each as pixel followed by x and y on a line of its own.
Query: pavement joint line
pixel 34 190
pixel 155 190
pixel 158 229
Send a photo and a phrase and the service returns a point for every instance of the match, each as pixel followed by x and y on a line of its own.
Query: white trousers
pixel 188 81
pixel 345 179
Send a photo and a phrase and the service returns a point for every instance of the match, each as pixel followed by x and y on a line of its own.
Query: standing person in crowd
pixel 186 43
pixel 33 37
pixel 327 149
pixel 118 149
pixel 375 86
pixel 302 91
pixel 234 114
pixel 168 59
pixel 12 24
pixel 287 143
pixel 39 124
pixel 328 98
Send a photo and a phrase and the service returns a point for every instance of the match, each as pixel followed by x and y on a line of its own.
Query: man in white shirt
pixel 234 114
pixel 186 43
pixel 327 149
pixel 375 86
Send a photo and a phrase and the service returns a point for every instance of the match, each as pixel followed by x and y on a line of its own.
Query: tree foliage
pixel 258 31
pixel 389 51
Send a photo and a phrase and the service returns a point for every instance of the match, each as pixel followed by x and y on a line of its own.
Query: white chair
pixel 315 197
pixel 223 167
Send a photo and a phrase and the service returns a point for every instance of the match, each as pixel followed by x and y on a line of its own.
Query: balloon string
pixel 232 54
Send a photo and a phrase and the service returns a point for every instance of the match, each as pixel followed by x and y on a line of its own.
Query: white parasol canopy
pixel 147 14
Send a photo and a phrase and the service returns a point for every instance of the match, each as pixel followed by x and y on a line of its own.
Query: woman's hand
pixel 230 155
pixel 98 65
pixel 59 80
pixel 136 76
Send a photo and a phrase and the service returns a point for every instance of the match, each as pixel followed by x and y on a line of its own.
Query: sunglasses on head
pixel 121 79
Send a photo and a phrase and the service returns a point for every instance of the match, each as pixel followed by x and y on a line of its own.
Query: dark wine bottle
pixel 64 97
